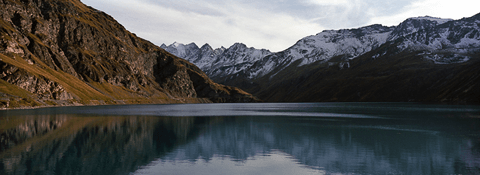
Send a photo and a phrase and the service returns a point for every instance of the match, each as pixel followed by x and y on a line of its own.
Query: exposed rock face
pixel 55 48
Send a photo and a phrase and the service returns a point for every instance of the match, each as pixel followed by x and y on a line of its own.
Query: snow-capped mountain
pixel 323 46
pixel 415 24
pixel 202 57
pixel 220 61
pixel 422 59
pixel 183 51
pixel 428 34
pixel 443 41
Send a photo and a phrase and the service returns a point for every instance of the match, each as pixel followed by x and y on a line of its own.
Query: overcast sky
pixel 273 25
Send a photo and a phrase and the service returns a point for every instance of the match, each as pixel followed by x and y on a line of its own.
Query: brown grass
pixel 6 25
pixel 69 82
pixel 8 88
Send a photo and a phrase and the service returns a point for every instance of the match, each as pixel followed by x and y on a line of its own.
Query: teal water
pixel 261 138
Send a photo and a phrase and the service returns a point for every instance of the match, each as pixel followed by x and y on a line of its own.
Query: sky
pixel 274 25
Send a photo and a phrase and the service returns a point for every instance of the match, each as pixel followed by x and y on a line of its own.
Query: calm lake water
pixel 265 138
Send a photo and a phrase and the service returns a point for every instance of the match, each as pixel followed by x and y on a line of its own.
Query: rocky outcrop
pixel 39 85
pixel 65 50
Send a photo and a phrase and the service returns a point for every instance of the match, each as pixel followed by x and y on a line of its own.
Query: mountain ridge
pixel 217 61
pixel 420 41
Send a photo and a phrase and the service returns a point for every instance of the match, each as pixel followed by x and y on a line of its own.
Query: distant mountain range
pixel 423 59
pixel 218 62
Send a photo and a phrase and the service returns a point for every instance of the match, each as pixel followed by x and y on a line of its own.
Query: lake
pixel 256 138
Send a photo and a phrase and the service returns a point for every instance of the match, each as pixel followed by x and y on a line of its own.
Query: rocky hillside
pixel 62 52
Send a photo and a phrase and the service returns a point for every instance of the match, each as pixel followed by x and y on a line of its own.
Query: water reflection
pixel 339 147
pixel 95 144
pixel 66 144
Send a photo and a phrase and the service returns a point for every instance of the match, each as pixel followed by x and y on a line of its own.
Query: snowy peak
pixel 206 47
pixel 219 61
pixel 413 25
pixel 475 17
pixel 192 46
pixel 238 46
pixel 434 19
pixel 191 52
pixel 429 34
pixel 458 38
pixel 241 50
pixel 420 33
pixel 241 53
pixel 175 44
pixel 183 51
pixel 331 43
pixel 359 32
pixel 347 43
pixel 236 58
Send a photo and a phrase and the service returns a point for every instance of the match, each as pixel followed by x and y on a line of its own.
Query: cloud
pixel 444 9
pixel 328 2
pixel 231 22
pixel 265 24
pixel 354 13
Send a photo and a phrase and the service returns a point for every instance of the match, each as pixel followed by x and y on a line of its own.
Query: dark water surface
pixel 265 138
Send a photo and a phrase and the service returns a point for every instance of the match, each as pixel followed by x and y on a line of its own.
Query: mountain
pixel 56 52
pixel 323 46
pixel 423 59
pixel 218 62
pixel 442 42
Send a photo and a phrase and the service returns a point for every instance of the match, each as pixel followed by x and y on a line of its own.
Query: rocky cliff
pixel 61 52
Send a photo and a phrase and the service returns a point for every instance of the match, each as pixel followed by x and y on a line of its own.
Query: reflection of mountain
pixel 338 147
pixel 88 145
pixel 119 145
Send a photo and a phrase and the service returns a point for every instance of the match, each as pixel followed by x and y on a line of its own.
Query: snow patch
pixel 328 44
pixel 447 59
pixel 438 20
pixel 379 55
pixel 467 43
